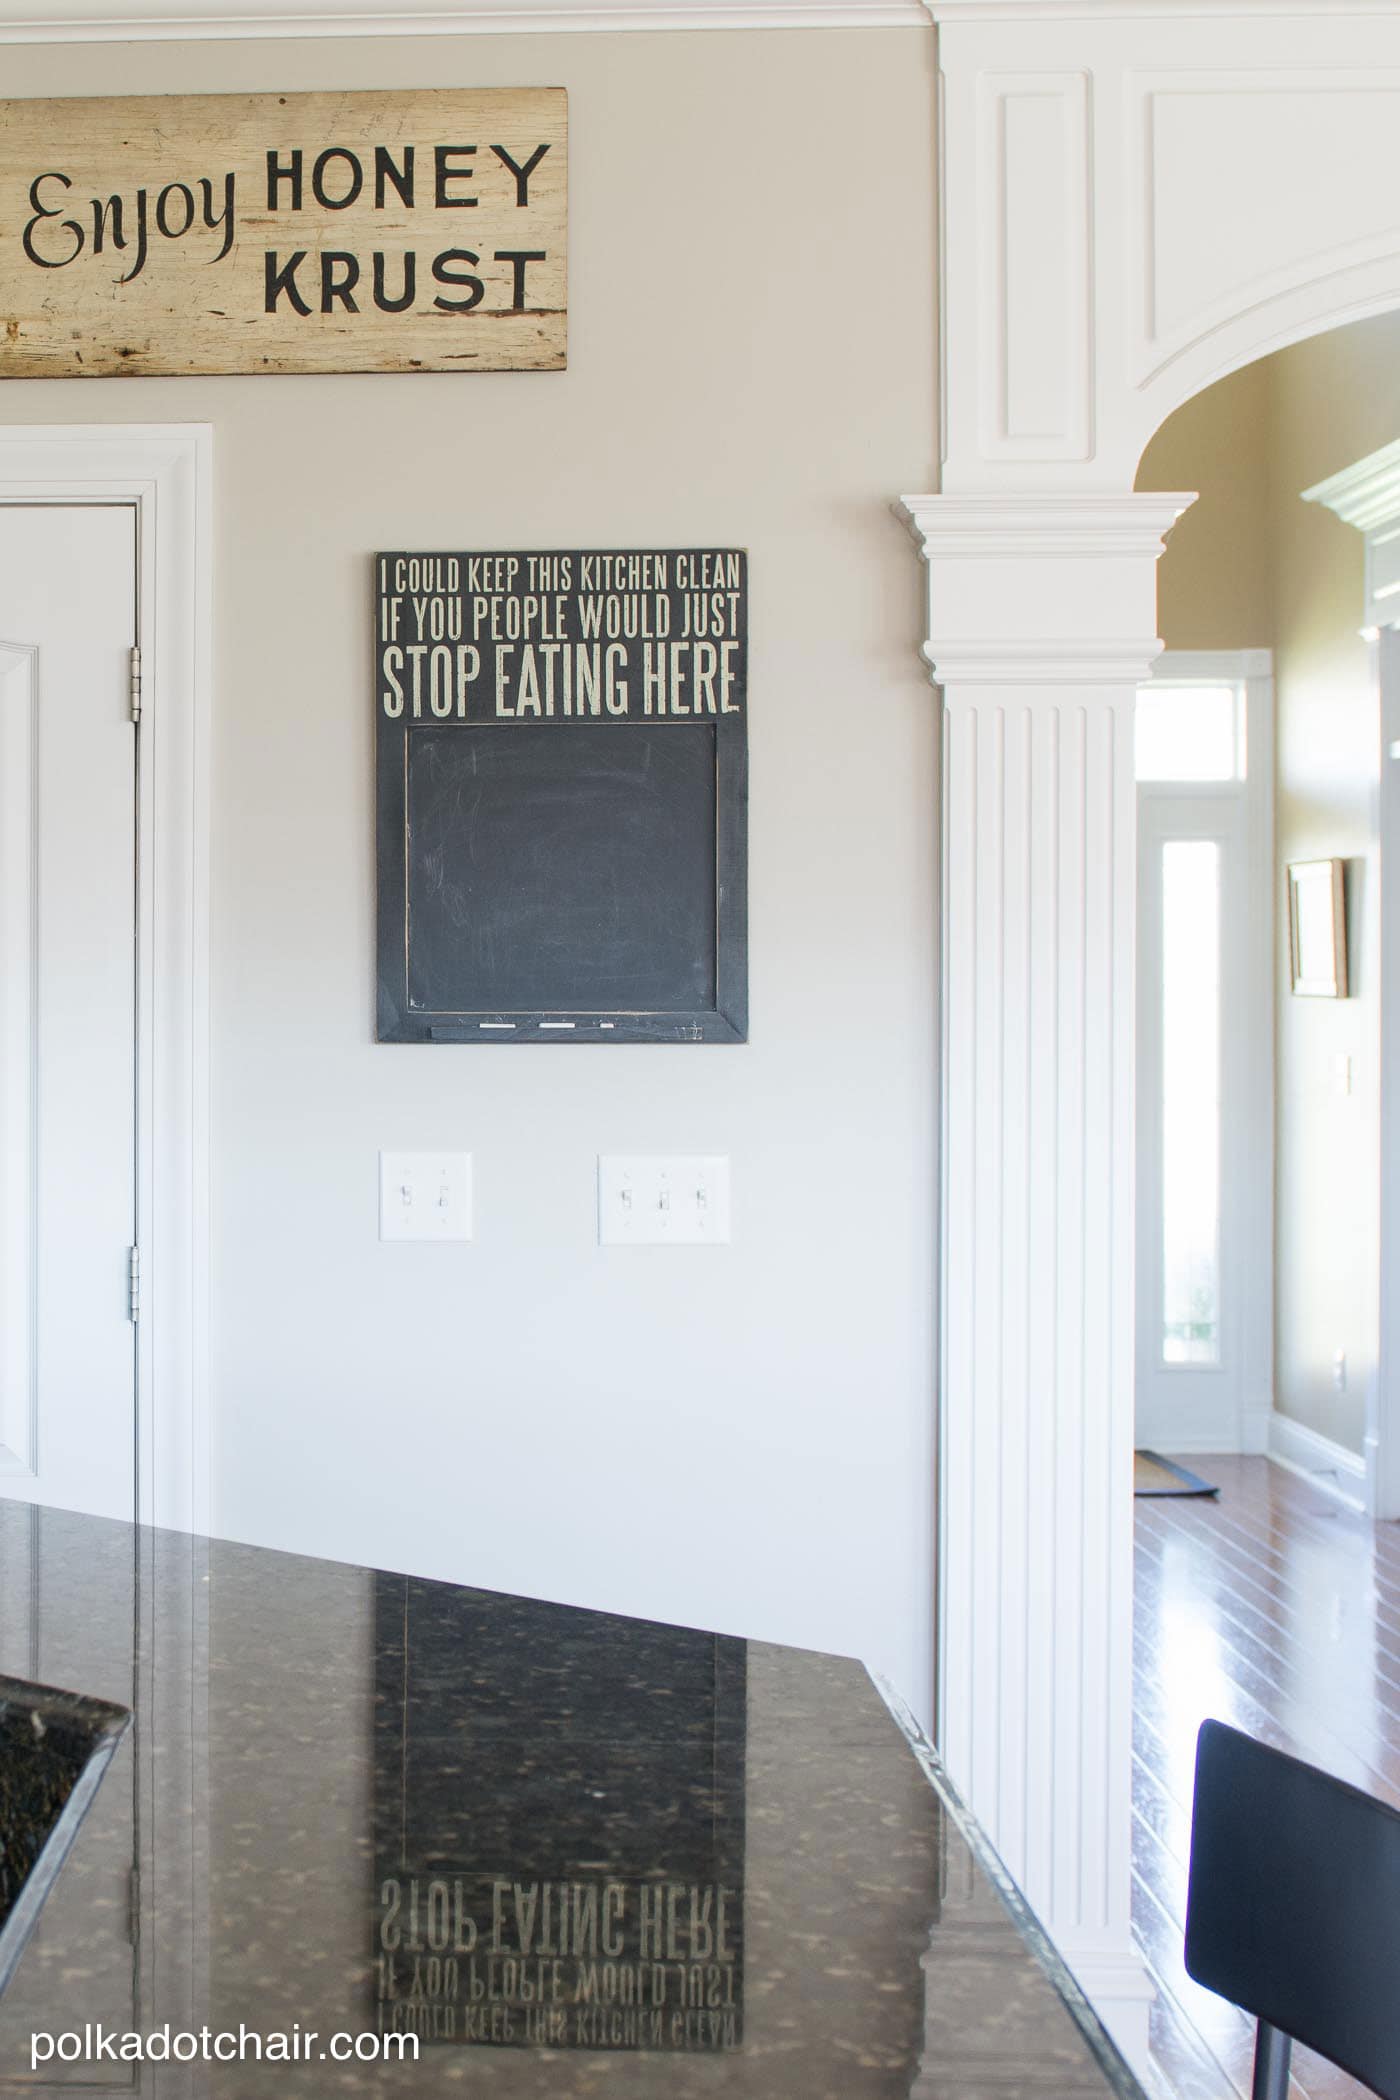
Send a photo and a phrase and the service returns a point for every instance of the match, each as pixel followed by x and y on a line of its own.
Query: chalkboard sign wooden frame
pixel 562 796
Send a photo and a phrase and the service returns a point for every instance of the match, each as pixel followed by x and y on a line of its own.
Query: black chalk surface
pixel 551 870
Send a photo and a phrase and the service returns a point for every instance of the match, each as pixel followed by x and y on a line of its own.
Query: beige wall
pixel 1250 564
pixel 1215 582
pixel 742 1437
pixel 1335 400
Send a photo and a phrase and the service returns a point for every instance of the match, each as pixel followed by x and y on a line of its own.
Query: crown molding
pixel 1123 661
pixel 1367 494
pixel 963 12
pixel 146 21
pixel 1047 525
pixel 1216 666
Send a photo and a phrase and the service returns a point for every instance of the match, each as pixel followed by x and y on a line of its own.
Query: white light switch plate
pixel 662 1202
pixel 425 1195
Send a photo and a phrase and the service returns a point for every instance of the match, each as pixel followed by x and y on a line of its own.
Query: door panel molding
pixel 165 471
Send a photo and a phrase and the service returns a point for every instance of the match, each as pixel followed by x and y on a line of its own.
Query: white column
pixel 1042 622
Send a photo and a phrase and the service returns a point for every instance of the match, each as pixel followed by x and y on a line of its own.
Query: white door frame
pixel 164 472
pixel 1246 827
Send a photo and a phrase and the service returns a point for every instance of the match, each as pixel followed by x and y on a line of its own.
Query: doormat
pixel 1154 1475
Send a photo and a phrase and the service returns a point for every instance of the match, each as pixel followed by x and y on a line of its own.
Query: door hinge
pixel 133 1283
pixel 136 685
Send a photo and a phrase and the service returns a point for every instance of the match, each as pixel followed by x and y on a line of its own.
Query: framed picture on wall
pixel 1317 928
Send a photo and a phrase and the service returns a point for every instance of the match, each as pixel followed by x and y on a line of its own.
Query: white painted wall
pixel 739 1437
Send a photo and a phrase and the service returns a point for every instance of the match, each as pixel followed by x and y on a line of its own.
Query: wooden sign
pixel 420 232
pixel 559 1826
pixel 562 796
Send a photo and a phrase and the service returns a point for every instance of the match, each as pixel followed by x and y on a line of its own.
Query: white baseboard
pixel 1179 1446
pixel 1250 1435
pixel 1122 1993
pixel 1329 1467
pixel 1256 1424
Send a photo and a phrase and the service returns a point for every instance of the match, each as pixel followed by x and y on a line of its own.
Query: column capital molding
pixel 1045 524
pixel 1039 590
pixel 1029 663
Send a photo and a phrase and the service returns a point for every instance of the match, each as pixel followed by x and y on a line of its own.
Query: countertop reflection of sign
pixel 558 1826
pixel 562 796
pixel 364 232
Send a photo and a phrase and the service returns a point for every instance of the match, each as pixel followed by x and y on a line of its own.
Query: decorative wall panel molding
pixel 1139 168
pixel 1217 246
pixel 1035 283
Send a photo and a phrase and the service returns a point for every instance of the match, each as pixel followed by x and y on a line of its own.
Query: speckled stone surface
pixel 55 1747
pixel 576 1855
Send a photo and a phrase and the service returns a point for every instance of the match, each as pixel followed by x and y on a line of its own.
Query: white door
pixel 1205 1056
pixel 68 873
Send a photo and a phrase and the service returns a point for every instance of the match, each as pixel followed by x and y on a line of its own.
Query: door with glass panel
pixel 1205 1055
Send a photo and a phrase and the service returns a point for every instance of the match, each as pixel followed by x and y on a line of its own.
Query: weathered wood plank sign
pixel 562 791
pixel 383 232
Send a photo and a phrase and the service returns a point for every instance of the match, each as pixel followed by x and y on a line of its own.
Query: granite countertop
pixel 575 1854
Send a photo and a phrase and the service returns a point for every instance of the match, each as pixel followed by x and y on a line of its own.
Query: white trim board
pixel 164 471
pixel 1329 1467
pixel 19 738
pixel 123 22
pixel 964 12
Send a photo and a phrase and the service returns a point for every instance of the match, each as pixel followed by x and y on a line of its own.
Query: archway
pixel 1134 204
pixel 1278 1213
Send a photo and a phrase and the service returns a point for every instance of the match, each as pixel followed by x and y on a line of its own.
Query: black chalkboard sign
pixel 562 796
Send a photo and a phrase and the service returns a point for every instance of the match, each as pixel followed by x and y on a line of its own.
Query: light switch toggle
pixel 425 1195
pixel 662 1201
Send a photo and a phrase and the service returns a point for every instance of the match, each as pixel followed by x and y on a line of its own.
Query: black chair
pixel 1294 1909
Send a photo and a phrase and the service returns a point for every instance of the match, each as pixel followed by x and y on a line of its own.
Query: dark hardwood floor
pixel 1278 1610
